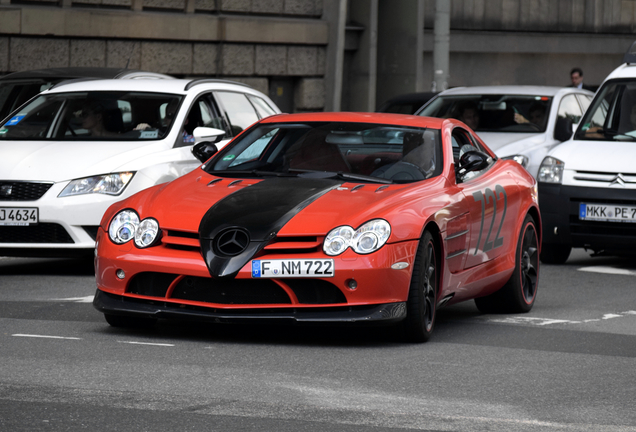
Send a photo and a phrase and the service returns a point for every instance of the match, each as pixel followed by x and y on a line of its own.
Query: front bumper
pixel 171 282
pixel 121 305
pixel 559 206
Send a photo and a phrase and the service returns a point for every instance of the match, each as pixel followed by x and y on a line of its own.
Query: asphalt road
pixel 568 365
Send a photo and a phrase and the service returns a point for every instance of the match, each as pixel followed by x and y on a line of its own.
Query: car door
pixel 491 196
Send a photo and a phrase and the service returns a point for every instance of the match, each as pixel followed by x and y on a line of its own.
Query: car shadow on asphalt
pixel 47 266
pixel 449 320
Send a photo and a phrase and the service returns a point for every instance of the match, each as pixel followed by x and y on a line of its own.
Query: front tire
pixel 519 293
pixel 422 300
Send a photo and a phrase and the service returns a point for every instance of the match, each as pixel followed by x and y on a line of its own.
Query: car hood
pixel 506 144
pixel 597 156
pixel 262 210
pixel 58 161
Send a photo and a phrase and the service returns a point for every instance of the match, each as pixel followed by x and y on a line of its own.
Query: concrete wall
pixel 252 41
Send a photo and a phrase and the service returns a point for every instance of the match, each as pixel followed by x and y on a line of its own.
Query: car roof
pixel 79 72
pixel 174 86
pixel 358 117
pixel 626 70
pixel 530 90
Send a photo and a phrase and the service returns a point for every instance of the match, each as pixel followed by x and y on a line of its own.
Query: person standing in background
pixel 576 76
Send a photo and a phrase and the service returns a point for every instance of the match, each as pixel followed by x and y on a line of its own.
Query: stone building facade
pixel 312 55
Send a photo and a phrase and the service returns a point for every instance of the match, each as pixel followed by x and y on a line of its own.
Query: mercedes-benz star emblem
pixel 232 242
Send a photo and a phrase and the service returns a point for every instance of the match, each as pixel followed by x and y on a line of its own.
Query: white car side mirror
pixel 207 134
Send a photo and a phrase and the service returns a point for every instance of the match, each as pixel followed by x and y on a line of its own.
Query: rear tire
pixel 555 253
pixel 125 321
pixel 421 304
pixel 519 293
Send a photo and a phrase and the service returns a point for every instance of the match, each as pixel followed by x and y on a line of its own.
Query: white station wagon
pixel 73 150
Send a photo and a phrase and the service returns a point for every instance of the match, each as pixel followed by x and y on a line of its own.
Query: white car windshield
pixel 493 112
pixel 93 116
pixel 612 115
pixel 350 151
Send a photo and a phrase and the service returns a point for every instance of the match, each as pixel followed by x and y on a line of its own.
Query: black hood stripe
pixel 262 210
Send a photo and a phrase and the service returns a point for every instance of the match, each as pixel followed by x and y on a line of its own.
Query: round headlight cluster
pixel 368 238
pixel 126 226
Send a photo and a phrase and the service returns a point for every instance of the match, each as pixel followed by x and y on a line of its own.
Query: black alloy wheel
pixel 519 293
pixel 421 304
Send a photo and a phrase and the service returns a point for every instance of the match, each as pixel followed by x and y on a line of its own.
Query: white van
pixel 587 185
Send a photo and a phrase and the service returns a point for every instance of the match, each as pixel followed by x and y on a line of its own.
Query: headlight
pixel 551 170
pixel 147 233
pixel 109 184
pixel 520 159
pixel 123 226
pixel 370 237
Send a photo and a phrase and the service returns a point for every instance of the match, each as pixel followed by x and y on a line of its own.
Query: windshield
pixel 493 113
pixel 355 151
pixel 102 116
pixel 612 115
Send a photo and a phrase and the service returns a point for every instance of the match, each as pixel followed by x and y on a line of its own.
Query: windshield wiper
pixel 251 173
pixel 339 175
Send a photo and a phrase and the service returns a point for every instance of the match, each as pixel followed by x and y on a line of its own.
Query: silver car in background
pixel 518 122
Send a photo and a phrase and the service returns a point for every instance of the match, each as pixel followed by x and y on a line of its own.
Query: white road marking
pixel 146 343
pixel 608 270
pixel 87 299
pixel 45 336
pixel 536 321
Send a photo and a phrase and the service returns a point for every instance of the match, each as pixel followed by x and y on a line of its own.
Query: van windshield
pixel 612 115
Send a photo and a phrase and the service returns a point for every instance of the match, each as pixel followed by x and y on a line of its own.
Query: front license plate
pixel 607 212
pixel 294 268
pixel 18 215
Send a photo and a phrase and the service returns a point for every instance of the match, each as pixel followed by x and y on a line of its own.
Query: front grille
pixel 315 291
pixel 287 245
pixel 181 240
pixel 40 233
pixel 235 291
pixel 22 191
pixel 622 229
pixel 606 178
pixel 230 291
pixel 151 284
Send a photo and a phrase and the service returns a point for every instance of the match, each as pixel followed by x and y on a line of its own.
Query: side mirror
pixel 563 129
pixel 472 161
pixel 204 150
pixel 208 134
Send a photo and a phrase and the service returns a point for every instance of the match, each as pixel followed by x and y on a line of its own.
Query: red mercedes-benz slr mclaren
pixel 327 217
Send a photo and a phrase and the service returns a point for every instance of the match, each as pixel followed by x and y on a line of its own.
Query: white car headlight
pixel 520 159
pixel 551 170
pixel 123 226
pixel 147 233
pixel 370 237
pixel 109 184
